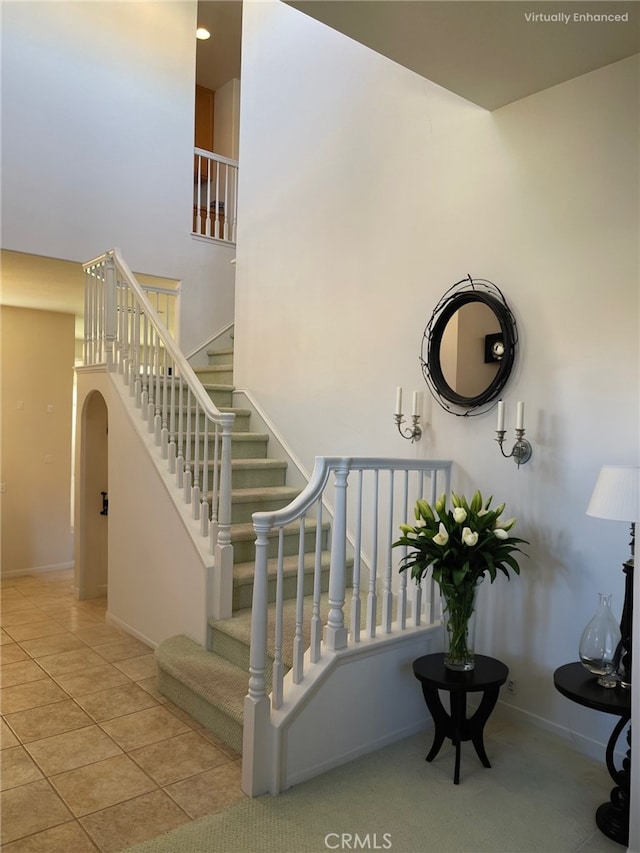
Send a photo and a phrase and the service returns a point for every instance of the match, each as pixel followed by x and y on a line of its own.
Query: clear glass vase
pixel 599 643
pixel 459 619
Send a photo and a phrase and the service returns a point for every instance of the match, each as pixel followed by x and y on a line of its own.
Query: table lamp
pixel 616 496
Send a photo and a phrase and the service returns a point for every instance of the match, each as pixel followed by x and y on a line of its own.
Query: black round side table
pixel 486 678
pixel 574 682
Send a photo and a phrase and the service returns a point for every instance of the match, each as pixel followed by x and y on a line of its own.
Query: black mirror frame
pixel 463 292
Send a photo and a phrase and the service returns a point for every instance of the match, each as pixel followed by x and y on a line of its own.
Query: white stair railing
pixel 368 499
pixel 124 330
pixel 215 196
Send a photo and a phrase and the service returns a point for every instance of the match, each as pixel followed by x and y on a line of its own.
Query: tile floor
pixel 93 757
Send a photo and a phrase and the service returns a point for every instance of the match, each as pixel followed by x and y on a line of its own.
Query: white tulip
pixel 441 537
pixel 459 514
pixel 500 533
pixel 468 537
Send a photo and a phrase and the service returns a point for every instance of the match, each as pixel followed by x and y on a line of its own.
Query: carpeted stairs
pixel 211 685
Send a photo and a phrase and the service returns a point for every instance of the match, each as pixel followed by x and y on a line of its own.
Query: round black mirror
pixel 469 346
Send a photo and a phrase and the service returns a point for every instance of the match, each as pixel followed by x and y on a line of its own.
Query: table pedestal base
pixel 612 818
pixel 456 726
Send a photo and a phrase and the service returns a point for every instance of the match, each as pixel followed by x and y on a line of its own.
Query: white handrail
pixel 354 532
pixel 123 329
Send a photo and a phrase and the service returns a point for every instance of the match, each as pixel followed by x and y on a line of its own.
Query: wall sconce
pixel 414 432
pixel 521 450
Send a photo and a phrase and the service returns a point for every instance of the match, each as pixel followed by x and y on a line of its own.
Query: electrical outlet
pixel 512 686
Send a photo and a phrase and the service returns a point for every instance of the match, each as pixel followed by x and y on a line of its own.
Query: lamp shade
pixel 616 495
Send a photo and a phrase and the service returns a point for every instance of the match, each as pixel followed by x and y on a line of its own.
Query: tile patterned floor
pixel 93 757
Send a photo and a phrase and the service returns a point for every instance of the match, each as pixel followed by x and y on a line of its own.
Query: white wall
pixel 157 577
pixel 97 144
pixel 365 193
pixel 226 127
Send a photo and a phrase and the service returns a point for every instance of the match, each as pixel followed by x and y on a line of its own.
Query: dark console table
pixel 486 678
pixel 574 682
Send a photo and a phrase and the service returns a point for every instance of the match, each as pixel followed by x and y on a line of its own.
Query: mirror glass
pixel 462 355
pixel 469 347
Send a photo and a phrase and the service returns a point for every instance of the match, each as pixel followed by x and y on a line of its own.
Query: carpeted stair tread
pixel 258 462
pixel 222 683
pixel 261 493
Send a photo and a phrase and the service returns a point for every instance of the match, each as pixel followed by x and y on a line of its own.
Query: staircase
pixel 211 684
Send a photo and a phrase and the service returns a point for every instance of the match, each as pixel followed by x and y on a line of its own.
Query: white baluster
pixel 316 622
pixel 195 490
pixel 387 594
pixel 402 591
pixel 356 601
pixel 144 396
pixel 204 505
pixel 187 455
pixel 297 671
pixel 278 667
pixel 180 456
pixel 172 421
pixel 372 598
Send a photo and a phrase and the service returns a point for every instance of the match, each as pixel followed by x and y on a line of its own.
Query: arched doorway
pixel 94 457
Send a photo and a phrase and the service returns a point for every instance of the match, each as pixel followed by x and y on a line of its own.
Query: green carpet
pixel 539 797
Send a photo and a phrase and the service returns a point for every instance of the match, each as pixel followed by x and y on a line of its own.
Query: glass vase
pixel 459 619
pixel 599 643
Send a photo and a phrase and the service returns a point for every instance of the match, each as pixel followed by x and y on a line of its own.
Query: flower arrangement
pixel 460 545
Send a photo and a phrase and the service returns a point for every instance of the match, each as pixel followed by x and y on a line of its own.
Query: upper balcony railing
pixel 215 196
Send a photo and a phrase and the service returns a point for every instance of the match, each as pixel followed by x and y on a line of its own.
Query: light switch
pixel 20 404
pixel 49 408
pixel 48 458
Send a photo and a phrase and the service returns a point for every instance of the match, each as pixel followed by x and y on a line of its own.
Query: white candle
pixel 500 426
pixel 520 415
pixel 415 403
pixel 399 400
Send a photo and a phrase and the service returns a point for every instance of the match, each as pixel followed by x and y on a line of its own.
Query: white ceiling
pixel 491 52
pixel 218 58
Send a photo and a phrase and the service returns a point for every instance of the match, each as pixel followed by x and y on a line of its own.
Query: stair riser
pixel 215 375
pixel 242 422
pixel 241 513
pixel 245 549
pixel 242 478
pixel 222 397
pixel 241 448
pixel 255 478
pixel 221 357
pixel 243 593
pixel 208 715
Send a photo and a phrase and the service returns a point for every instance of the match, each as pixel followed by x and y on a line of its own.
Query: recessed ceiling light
pixel 203 33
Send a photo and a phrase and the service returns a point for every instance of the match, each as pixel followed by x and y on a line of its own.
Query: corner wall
pixel 157 578
pixel 36 401
pixel 367 191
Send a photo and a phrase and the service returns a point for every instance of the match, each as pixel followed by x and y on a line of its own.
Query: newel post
pixel 223 569
pixel 335 632
pixel 256 746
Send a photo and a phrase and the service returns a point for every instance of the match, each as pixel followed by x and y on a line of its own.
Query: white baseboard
pixel 37 570
pixel 586 745
pixel 110 619
pixel 364 749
